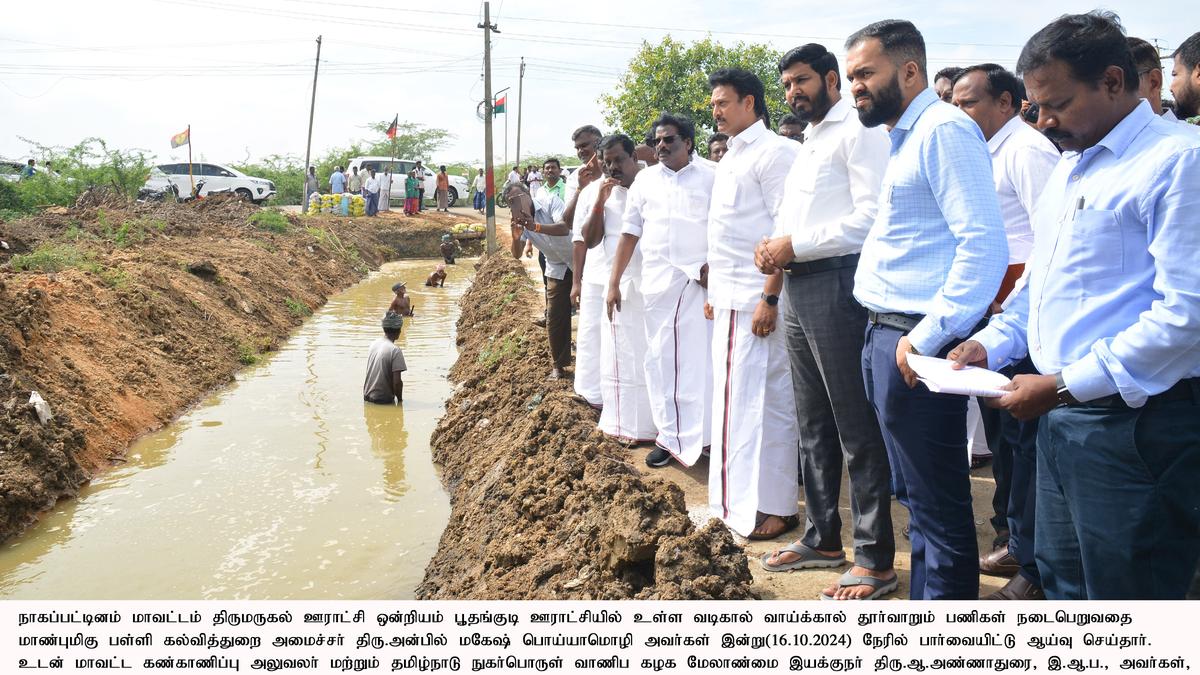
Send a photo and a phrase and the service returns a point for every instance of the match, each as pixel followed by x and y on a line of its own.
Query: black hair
pixel 901 41
pixel 1145 55
pixel 951 73
pixel 442 167
pixel 1087 43
pixel 792 119
pixel 1188 52
pixel 552 160
pixel 814 56
pixel 1032 112
pixel 649 139
pixel 622 140
pixel 585 129
pixel 745 83
pixel 999 80
pixel 719 136
pixel 392 333
pixel 681 122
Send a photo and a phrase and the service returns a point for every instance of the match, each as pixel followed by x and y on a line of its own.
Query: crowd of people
pixel 760 306
pixel 376 187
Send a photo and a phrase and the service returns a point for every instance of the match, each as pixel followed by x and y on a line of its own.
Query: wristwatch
pixel 1064 395
pixel 771 300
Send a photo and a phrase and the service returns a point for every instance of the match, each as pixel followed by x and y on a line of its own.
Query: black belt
pixel 1183 390
pixel 799 269
pixel 902 322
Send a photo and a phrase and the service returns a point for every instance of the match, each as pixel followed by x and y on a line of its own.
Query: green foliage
pixel 90 163
pixel 513 345
pixel 248 351
pixel 270 220
pixel 672 76
pixel 10 198
pixel 53 258
pixel 297 308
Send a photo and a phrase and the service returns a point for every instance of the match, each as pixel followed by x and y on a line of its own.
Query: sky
pixel 240 72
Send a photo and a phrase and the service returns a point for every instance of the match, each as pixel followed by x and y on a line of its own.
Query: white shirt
pixel 668 211
pixel 746 195
pixel 513 178
pixel 832 191
pixel 547 210
pixel 1022 160
pixel 571 188
pixel 372 185
pixel 479 183
pixel 598 264
pixel 385 182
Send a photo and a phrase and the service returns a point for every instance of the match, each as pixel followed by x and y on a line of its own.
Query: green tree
pixel 672 76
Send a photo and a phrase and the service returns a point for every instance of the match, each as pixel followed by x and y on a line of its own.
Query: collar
pixel 668 172
pixel 914 110
pixel 748 135
pixel 1118 139
pixel 1009 128
pixel 1169 115
pixel 836 115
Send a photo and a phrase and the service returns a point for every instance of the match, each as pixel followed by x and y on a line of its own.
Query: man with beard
pixel 943 82
pixel 718 145
pixel 791 127
pixel 588 297
pixel 930 267
pixel 829 203
pixel 1022 160
pixel 1110 313
pixel 1185 79
pixel 752 483
pixel 626 414
pixel 666 219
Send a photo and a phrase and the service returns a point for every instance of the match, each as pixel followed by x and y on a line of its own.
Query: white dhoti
pixel 626 414
pixel 678 369
pixel 755 449
pixel 587 343
pixel 976 435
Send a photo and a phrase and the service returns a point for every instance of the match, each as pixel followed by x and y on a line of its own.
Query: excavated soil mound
pixel 543 504
pixel 134 311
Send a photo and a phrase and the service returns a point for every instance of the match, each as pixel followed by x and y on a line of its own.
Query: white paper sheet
pixel 940 377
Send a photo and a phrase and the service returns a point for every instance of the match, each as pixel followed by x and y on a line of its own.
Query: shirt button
pixel 1075 177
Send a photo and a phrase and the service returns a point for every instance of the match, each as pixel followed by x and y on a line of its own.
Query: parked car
pixel 217 178
pixel 458 184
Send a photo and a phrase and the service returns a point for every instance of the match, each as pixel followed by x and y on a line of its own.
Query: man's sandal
pixel 809 559
pixel 789 523
pixel 880 587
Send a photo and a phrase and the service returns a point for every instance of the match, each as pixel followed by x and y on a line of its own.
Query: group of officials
pixel 768 303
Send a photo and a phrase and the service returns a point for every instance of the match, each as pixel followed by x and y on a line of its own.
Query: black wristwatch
pixel 771 300
pixel 1064 395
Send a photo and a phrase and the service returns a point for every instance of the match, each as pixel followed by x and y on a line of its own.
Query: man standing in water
pixel 385 363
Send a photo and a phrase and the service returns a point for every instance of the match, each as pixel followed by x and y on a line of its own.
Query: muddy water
pixel 284 485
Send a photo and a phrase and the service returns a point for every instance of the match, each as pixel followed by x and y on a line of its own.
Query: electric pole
pixel 311 110
pixel 520 91
pixel 490 169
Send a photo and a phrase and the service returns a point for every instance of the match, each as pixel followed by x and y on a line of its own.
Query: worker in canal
pixel 401 304
pixel 385 364
pixel 448 247
pixel 437 278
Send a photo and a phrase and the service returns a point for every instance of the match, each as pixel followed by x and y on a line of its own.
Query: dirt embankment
pixel 151 307
pixel 544 505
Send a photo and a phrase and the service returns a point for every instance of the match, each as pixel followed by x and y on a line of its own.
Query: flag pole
pixel 191 181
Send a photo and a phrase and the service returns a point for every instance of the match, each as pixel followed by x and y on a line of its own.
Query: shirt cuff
pixel 997 344
pixel 1087 380
pixel 926 339
pixel 635 230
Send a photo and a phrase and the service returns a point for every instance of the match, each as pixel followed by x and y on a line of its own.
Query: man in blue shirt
pixel 930 266
pixel 1111 313
pixel 337 181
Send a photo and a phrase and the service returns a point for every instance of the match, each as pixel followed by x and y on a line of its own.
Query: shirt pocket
pixel 695 204
pixel 1096 253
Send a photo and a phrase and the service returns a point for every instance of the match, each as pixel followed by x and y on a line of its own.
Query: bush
pixel 53 258
pixel 90 163
pixel 270 220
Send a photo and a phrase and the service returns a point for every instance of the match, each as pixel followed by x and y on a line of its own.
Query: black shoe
pixel 658 458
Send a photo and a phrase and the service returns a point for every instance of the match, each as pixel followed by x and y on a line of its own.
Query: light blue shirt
pixel 937 246
pixel 548 209
pixel 1113 294
pixel 337 182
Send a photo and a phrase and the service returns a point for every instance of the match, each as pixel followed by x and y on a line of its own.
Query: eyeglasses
pixel 667 140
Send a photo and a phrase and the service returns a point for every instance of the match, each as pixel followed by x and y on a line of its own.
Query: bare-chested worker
pixel 401 304
pixel 437 278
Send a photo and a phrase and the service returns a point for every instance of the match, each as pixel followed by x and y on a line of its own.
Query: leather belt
pixel 901 322
pixel 799 269
pixel 1183 390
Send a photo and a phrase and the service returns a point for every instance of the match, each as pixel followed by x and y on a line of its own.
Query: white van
pixel 401 167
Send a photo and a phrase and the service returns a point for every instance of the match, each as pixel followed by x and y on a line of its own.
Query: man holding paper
pixel 1111 309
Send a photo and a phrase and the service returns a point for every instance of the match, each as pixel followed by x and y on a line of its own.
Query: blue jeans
pixel 926 439
pixel 1118 501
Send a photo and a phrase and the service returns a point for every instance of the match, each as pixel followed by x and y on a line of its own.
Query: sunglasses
pixel 667 140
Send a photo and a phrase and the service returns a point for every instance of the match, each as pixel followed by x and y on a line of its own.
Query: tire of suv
pixel 244 194
pixel 452 197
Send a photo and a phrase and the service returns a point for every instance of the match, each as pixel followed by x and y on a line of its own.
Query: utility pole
pixel 520 92
pixel 490 170
pixel 311 110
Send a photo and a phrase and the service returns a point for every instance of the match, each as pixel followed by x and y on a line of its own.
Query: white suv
pixel 215 177
pixel 458 184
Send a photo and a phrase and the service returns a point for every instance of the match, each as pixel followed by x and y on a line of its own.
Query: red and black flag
pixel 391 130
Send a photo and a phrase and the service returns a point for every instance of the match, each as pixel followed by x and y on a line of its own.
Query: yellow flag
pixel 181 138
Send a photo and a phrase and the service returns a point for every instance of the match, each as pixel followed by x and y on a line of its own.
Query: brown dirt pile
pixel 544 506
pixel 151 306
